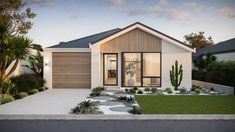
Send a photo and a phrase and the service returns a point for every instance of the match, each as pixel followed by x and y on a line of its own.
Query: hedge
pixel 220 72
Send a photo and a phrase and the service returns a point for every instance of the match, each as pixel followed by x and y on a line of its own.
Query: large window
pixel 141 69
pixel 110 69
pixel 151 69
pixel 132 69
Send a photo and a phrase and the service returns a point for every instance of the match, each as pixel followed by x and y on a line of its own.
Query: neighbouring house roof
pixel 85 41
pixel 221 47
pixel 93 39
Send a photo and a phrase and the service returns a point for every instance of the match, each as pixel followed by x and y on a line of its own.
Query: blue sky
pixel 65 20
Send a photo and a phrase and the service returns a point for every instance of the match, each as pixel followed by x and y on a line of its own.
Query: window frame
pixel 104 84
pixel 141 62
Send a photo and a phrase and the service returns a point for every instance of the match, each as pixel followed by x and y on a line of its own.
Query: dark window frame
pixel 116 54
pixel 141 62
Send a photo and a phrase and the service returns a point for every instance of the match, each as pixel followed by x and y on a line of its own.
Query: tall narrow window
pixel 110 69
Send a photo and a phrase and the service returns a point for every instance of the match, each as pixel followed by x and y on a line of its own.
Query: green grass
pixel 154 104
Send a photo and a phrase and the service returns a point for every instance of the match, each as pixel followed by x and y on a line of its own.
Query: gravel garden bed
pixel 123 102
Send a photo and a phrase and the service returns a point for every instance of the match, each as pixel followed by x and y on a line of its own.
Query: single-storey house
pixel 224 51
pixel 136 55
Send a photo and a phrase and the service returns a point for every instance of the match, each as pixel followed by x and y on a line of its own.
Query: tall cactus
pixel 176 75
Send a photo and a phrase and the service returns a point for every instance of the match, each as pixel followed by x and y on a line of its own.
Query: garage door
pixel 71 70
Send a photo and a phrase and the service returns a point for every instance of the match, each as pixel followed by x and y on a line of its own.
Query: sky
pixel 65 20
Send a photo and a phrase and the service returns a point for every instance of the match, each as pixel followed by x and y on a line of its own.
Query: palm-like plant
pixel 18 49
pixel 36 64
pixel 13 50
pixel 7 87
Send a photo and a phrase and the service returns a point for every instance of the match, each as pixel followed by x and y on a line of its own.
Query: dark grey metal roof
pixel 85 41
pixel 221 47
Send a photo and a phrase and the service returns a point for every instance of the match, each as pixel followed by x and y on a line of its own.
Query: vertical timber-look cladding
pixel 71 70
pixel 135 40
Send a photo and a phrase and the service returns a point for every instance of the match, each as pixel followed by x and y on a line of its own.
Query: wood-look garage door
pixel 71 70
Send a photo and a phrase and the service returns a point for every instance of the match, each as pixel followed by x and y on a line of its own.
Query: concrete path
pixel 54 101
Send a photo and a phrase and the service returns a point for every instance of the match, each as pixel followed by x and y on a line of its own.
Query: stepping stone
pixel 110 103
pixel 120 109
pixel 103 98
pixel 120 94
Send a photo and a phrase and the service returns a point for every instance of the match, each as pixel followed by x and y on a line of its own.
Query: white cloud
pixel 116 2
pixel 192 6
pixel 227 12
pixel 144 11
pixel 174 14
pixel 161 9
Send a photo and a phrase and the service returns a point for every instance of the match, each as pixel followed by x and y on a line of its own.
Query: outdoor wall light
pixel 46 64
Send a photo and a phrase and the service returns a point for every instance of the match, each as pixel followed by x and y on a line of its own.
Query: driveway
pixel 53 101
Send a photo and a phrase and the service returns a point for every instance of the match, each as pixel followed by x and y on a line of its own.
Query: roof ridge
pixel 187 45
pixel 92 35
pixel 65 43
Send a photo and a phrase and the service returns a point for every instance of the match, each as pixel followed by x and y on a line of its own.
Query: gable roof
pixel 85 41
pixel 221 47
pixel 105 36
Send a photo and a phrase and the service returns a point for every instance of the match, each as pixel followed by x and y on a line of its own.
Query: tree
pixel 36 64
pixel 202 61
pixel 16 49
pixel 199 40
pixel 14 24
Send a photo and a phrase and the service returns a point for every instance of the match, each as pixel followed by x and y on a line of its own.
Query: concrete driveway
pixel 53 101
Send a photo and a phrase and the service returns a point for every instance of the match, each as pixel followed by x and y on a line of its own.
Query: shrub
pixel 126 90
pixel 41 89
pixel 183 90
pixel 126 99
pixel 135 110
pixel 33 91
pixel 75 110
pixel 8 98
pixel 197 91
pixel 147 89
pixel 195 87
pixel 85 107
pixel 27 82
pixel 154 90
pixel 135 88
pixel 139 92
pixel 9 87
pixel 168 90
pixel 97 91
pixel 23 94
pixel 132 91
pixel 100 87
pixel 198 75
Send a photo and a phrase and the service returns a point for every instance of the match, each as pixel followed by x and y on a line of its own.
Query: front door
pixel 110 71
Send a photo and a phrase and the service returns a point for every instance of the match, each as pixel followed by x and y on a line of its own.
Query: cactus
pixel 176 75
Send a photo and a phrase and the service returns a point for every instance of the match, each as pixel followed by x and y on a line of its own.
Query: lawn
pixel 154 104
